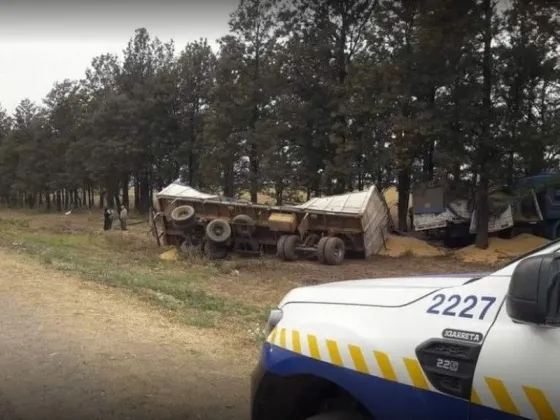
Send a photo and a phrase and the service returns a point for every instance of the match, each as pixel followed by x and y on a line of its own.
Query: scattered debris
pixel 500 249
pixel 398 246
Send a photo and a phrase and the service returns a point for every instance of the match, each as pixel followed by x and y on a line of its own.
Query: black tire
pixel 244 225
pixel 321 249
pixel 337 415
pixel 218 231
pixel 182 215
pixel 290 244
pixel 214 251
pixel 334 251
pixel 280 246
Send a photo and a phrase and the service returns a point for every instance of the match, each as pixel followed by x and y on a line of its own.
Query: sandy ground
pixel 74 350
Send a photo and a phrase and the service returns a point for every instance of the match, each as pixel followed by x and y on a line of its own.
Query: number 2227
pixel 469 303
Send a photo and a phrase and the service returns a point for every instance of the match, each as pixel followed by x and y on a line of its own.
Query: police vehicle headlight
pixel 274 319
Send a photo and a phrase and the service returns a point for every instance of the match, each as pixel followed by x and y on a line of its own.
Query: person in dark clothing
pixel 107 219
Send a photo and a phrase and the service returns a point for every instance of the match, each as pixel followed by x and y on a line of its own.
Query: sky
pixel 44 41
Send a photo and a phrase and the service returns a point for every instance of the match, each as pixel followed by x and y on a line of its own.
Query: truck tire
pixel 182 214
pixel 280 246
pixel 321 249
pixel 334 251
pixel 337 415
pixel 290 245
pixel 244 225
pixel 218 231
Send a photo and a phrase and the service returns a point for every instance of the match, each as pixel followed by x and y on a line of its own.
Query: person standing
pixel 107 222
pixel 123 215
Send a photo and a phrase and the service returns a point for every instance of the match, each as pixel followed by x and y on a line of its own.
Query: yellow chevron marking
pixel 283 338
pixel 296 343
pixel 474 397
pixel 501 395
pixel 416 374
pixel 334 353
pixel 540 403
pixel 385 365
pixel 358 358
pixel 313 347
pixel 272 336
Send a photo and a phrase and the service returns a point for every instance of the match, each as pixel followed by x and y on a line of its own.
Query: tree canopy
pixel 321 97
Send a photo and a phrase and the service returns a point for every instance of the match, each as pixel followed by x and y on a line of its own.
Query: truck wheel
pixel 337 415
pixel 182 214
pixel 321 249
pixel 290 245
pixel 244 225
pixel 334 251
pixel 280 246
pixel 218 231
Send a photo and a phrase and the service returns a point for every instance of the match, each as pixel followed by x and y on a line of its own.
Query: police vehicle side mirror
pixel 534 291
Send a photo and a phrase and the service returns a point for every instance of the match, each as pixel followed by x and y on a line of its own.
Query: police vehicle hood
pixel 388 292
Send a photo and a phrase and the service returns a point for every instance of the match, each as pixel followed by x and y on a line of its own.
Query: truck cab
pixel 474 347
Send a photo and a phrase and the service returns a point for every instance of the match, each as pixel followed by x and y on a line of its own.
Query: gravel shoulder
pixel 72 349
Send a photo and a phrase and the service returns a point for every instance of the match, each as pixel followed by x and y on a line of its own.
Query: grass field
pixel 234 295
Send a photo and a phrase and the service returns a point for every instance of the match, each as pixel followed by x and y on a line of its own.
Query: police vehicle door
pixel 517 374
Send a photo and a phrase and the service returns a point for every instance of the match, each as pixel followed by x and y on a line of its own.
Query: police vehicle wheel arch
pixel 309 395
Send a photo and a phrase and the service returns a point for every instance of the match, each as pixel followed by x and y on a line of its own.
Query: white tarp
pixel 179 190
pixel 351 203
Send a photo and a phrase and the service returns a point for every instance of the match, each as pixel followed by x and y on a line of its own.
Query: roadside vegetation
pixel 233 295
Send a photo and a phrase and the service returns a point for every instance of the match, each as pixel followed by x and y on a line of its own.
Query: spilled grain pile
pixel 500 249
pixel 397 246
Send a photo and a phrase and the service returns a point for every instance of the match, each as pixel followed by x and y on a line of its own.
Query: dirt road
pixel 71 349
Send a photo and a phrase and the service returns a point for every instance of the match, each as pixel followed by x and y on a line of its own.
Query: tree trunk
pixel 144 202
pixel 125 196
pixel 229 186
pixel 403 188
pixel 59 200
pixel 485 142
pixel 136 193
pixel 482 213
pixel 254 173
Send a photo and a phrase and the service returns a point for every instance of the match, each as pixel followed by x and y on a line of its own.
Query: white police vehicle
pixel 485 347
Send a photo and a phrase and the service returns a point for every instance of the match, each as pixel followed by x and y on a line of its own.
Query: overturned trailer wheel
pixel 244 225
pixel 182 215
pixel 218 231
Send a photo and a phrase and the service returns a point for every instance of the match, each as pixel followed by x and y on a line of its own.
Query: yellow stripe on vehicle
pixel 416 375
pixel 540 403
pixel 296 343
pixel 385 366
pixel 283 338
pixel 474 397
pixel 313 347
pixel 272 336
pixel 358 359
pixel 501 395
pixel 334 353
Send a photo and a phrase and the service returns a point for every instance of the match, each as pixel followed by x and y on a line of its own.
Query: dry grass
pixel 233 295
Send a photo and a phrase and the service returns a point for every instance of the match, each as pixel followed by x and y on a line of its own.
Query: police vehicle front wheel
pixel 337 415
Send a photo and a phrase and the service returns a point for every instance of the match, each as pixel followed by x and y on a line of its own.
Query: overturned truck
pixel 325 228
